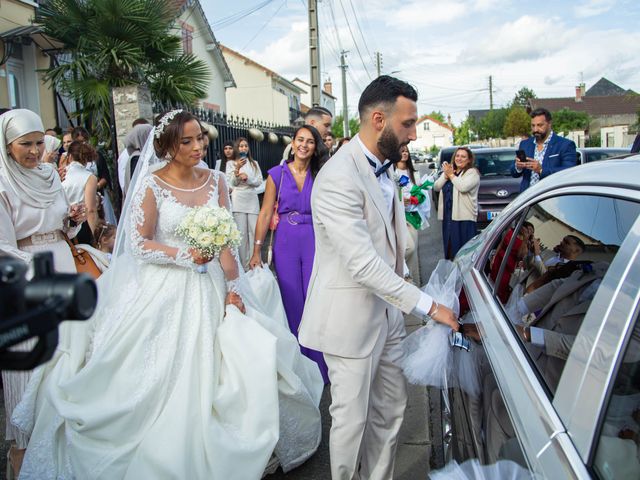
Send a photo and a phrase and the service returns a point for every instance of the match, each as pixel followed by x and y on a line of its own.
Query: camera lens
pixel 79 293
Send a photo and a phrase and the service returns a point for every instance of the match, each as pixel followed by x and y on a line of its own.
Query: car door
pixel 525 392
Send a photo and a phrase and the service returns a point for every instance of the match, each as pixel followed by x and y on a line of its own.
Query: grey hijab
pixel 39 186
pixel 135 139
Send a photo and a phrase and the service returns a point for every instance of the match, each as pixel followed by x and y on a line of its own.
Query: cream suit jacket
pixel 561 316
pixel 357 270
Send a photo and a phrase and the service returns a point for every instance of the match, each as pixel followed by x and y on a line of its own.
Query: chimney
pixel 579 93
pixel 582 90
pixel 328 87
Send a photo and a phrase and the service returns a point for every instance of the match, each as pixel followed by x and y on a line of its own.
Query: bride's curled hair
pixel 169 140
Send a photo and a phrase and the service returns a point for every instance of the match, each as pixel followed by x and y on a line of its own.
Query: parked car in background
pixel 497 187
pixel 562 401
pixel 592 154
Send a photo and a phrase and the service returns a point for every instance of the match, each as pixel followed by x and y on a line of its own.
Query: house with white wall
pixel 327 100
pixel 260 93
pixel 198 38
pixel 23 56
pixel 431 133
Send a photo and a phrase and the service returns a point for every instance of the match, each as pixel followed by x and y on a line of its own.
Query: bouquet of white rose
pixel 209 230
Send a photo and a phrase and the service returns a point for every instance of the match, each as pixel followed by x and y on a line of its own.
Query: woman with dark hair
pixel 80 185
pixel 458 203
pixel 405 167
pixel 244 177
pixel 187 375
pixel 227 154
pixel 289 187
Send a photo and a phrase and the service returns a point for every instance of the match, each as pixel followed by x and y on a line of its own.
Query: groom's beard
pixel 389 146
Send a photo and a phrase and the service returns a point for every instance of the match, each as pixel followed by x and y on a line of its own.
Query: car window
pixel 495 164
pixel 552 268
pixel 619 441
pixel 603 155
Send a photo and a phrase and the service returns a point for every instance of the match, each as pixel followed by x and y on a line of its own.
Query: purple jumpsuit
pixel 293 251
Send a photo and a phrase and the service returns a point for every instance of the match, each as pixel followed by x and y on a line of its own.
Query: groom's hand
pixel 444 315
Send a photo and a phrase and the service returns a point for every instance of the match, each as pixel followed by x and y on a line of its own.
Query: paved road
pixel 415 444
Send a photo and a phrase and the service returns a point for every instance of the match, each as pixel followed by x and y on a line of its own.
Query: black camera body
pixel 36 307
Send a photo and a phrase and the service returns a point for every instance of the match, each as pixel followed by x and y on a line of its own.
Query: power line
pixel 346 17
pixel 236 17
pixel 260 30
pixel 355 15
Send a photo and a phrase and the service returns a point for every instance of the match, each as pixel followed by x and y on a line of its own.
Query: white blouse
pixel 75 181
pixel 19 220
pixel 244 198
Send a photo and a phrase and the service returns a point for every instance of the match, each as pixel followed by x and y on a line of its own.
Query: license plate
pixel 492 215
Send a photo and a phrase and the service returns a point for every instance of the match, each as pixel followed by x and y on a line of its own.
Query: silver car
pixel 552 291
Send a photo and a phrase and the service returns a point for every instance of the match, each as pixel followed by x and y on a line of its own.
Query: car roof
pixel 620 173
pixel 494 149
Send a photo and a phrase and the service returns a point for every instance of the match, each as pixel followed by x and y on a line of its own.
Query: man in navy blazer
pixel 546 152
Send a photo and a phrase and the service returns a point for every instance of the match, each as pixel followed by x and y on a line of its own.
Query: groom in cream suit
pixel 356 295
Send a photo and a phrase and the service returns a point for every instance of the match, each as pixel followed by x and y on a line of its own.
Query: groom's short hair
pixel 384 91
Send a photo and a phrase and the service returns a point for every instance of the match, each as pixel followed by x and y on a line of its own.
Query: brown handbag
pixel 275 219
pixel 84 262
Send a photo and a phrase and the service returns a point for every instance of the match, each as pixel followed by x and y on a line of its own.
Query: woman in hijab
pixel 51 146
pixel 34 213
pixel 133 142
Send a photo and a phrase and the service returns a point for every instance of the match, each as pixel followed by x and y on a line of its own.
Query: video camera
pixel 35 308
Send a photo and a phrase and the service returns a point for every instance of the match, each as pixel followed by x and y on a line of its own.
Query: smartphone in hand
pixel 521 155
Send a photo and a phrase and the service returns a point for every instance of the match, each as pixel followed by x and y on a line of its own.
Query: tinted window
pixel 603 155
pixel 496 163
pixel 553 270
pixel 617 450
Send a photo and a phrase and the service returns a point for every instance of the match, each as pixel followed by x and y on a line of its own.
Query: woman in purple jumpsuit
pixel 290 185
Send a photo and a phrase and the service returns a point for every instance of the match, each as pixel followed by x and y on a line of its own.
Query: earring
pixel 167 157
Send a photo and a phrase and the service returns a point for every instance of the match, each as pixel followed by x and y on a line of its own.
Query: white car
pixel 559 366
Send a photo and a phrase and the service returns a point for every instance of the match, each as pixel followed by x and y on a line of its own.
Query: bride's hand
pixel 255 262
pixel 235 299
pixel 198 258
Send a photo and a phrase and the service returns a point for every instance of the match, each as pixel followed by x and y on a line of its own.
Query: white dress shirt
pixel 388 191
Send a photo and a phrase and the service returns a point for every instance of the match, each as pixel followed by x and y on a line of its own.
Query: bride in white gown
pixel 171 386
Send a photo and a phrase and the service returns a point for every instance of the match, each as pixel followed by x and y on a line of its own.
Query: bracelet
pixel 436 310
pixel 258 242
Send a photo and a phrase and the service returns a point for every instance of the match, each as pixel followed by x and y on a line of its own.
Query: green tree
pixel 462 135
pixel 566 120
pixel 492 125
pixel 517 123
pixel 523 96
pixel 438 116
pixel 113 43
pixel 338 126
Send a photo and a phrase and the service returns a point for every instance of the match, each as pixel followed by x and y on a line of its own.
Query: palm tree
pixel 113 43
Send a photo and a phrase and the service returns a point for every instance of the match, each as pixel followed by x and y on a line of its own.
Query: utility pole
pixel 490 92
pixel 378 63
pixel 314 53
pixel 345 111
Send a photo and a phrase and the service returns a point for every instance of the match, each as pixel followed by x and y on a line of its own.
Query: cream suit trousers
pixel 369 396
pixel 246 223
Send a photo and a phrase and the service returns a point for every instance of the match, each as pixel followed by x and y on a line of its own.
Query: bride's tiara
pixel 164 121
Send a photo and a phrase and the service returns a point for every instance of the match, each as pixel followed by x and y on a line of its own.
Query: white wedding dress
pixel 171 387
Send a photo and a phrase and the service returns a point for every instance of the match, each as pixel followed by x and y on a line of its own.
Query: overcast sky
pixel 446 48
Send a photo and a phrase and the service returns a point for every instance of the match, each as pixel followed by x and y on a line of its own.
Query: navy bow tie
pixel 382 169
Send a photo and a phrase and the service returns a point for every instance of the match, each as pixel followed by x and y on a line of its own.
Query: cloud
pixel 591 8
pixel 552 80
pixel 287 55
pixel 526 38
pixel 415 14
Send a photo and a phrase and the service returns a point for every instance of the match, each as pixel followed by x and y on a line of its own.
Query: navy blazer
pixel 560 154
